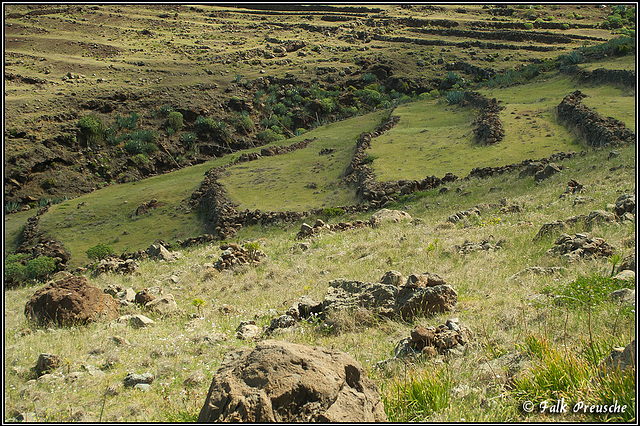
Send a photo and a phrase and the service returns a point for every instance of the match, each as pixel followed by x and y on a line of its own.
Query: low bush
pixel 99 252
pixel 92 128
pixel 40 268
pixel 175 121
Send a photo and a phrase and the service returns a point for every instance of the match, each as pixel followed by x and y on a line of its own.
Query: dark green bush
pixel 130 122
pixel 14 273
pixel 92 129
pixel 175 121
pixel 269 135
pixel 454 97
pixel 99 252
pixel 40 268
pixel 332 212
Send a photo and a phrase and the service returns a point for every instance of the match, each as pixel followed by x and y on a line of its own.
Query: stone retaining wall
pixel 597 131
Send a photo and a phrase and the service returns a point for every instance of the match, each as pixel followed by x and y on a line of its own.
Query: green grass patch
pixel 303 179
pixel 587 291
pixel 431 138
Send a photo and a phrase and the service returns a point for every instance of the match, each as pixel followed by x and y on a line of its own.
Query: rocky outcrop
pixel 446 339
pixel 70 301
pixel 421 294
pixel 287 382
pixel 597 131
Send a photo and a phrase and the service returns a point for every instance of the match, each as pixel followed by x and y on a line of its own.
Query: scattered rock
pixel 469 247
pixel 116 266
pixel 573 186
pixel 121 294
pixel 248 330
pixel 159 252
pixel 626 275
pixel 233 254
pixel 416 298
pixel 70 301
pixel 621 359
pixel 164 305
pixel 538 270
pixel 548 171
pixel 135 321
pixel 550 229
pixel 393 278
pixel 47 363
pixel 626 203
pixel 386 215
pixel 287 382
pixel 580 246
pixel 133 379
pixel 625 296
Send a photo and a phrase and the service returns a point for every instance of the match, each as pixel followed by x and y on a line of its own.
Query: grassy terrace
pixel 281 183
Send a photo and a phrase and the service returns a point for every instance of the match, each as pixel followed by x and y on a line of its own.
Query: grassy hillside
pixel 504 314
pixel 218 65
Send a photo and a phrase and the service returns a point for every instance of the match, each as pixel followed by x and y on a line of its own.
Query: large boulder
pixel 70 301
pixel 350 294
pixel 287 382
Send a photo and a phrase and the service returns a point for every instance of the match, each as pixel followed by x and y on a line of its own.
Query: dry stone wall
pixel 598 131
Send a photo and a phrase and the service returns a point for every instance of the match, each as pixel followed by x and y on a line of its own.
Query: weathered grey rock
pixel 136 321
pixel 629 262
pixel 164 305
pixel 142 387
pixel 621 359
pixel 426 279
pixel 626 203
pixel 133 379
pixel 159 252
pixel 412 302
pixel 538 270
pixel 626 275
pixel 550 229
pixel 286 382
pixel 70 301
pixel 548 171
pixel 386 215
pixel 349 294
pixel 600 216
pixel 624 296
pixel 389 300
pixel 248 330
pixel 304 308
pixel 394 278
pixel 143 297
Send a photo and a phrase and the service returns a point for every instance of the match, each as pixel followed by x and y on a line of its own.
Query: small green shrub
pixel 92 129
pixel 15 272
pixel 40 268
pixel 269 135
pixel 528 26
pixel 454 97
pixel 99 252
pixel 175 121
pixel 332 212
pixel 369 158
pixel 130 122
pixel 189 139
pixel 164 110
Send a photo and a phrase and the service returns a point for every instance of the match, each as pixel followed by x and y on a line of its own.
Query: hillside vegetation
pixel 201 127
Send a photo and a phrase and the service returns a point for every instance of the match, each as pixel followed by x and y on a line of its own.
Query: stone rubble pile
pixel 580 246
pixel 233 254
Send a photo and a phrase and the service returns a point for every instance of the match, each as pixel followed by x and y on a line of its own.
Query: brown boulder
pixel 70 301
pixel 287 382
